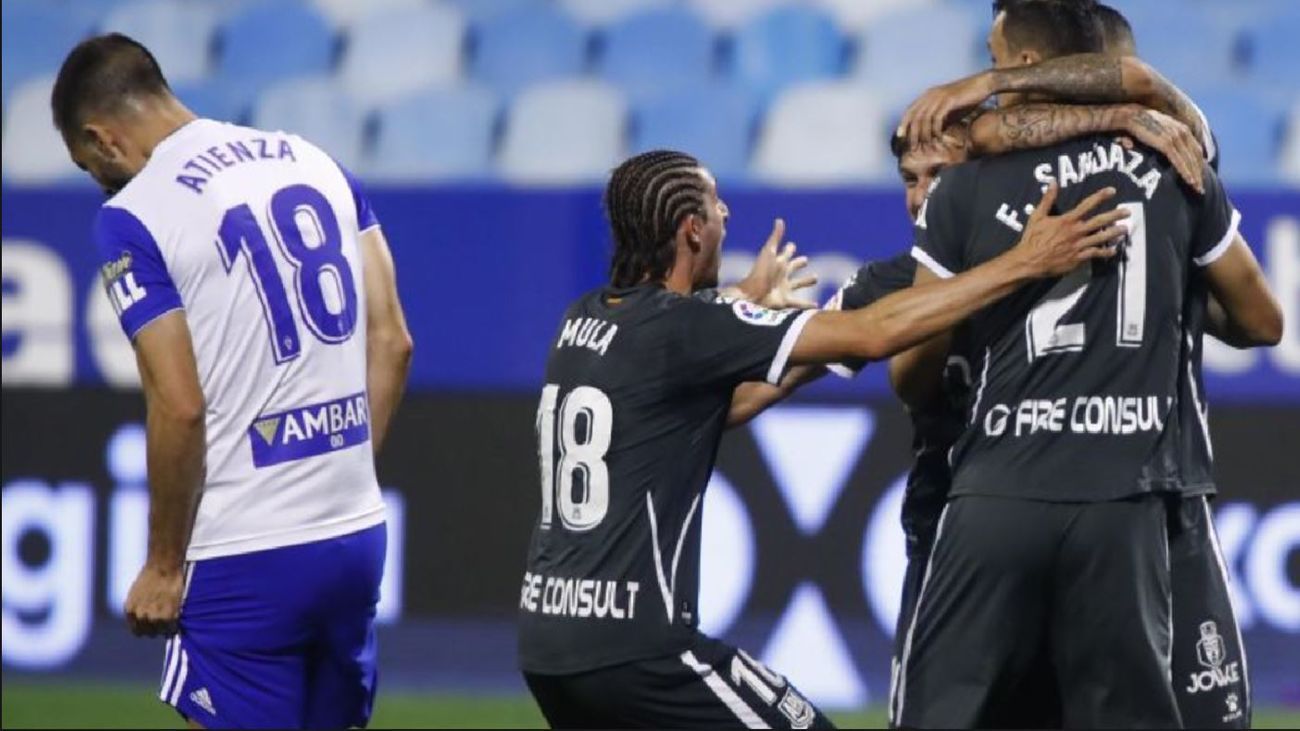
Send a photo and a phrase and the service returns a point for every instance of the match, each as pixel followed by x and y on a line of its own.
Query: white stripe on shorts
pixel 180 677
pixel 724 692
pixel 170 662
pixel 897 705
pixel 1223 569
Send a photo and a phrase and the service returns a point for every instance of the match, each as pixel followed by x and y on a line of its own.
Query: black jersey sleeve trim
pixel 929 263
pixel 777 369
pixel 1221 248
pixel 1207 134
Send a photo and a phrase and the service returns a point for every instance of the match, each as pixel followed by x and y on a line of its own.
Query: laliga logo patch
pixel 757 314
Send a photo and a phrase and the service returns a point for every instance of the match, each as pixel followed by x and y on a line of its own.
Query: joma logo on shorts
pixel 1210 653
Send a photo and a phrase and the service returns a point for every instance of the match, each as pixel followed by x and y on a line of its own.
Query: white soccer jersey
pixel 254 235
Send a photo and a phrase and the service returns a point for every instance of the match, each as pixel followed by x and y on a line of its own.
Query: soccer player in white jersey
pixel 250 273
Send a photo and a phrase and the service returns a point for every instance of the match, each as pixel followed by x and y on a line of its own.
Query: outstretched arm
pixel 753 398
pixel 1050 246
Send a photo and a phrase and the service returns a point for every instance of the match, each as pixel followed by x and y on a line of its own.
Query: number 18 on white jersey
pixel 254 235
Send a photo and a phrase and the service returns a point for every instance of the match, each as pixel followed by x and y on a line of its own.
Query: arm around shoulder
pixel 1247 314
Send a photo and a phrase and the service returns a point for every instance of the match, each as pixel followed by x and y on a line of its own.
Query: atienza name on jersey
pixel 255 236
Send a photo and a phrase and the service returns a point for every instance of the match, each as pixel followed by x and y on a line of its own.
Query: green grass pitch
pixel 30 704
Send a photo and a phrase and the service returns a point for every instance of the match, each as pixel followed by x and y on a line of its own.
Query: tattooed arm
pixel 1096 77
pixel 1088 77
pixel 997 131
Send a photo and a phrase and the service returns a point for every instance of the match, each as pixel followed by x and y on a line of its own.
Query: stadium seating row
pixel 418 89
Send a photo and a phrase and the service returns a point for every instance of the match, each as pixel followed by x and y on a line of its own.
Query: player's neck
pixel 679 281
pixel 159 121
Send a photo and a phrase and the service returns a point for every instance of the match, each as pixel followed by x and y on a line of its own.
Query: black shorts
pixel 1010 579
pixel 1036 705
pixel 1209 661
pixel 710 685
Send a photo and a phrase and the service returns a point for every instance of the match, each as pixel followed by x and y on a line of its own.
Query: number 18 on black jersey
pixel 638 386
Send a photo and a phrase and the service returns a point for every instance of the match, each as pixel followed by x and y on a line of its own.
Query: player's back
pixel 638 387
pixel 254 235
pixel 1077 379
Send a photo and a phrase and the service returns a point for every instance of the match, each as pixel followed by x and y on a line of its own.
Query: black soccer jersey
pixel 638 386
pixel 1077 379
pixel 934 429
pixel 1196 456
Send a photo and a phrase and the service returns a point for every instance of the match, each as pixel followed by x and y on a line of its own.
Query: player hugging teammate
pixel 641 381
pixel 1092 580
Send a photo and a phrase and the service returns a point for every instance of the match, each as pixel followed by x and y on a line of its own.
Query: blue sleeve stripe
pixel 134 272
pixel 366 218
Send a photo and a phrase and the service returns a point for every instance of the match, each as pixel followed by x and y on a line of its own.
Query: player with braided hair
pixel 638 389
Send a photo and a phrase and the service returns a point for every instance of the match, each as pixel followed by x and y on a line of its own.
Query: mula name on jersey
pixel 203 167
pixel 1083 415
pixel 587 332
pixel 310 430
pixel 582 598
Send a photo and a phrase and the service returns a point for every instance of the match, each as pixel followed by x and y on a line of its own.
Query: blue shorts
pixel 282 638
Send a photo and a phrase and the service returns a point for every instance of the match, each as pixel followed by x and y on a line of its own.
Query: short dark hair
pixel 647 198
pixel 899 145
pixel 1052 27
pixel 1115 28
pixel 99 74
pixel 1000 5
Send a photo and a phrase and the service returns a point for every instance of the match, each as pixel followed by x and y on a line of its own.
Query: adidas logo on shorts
pixel 203 700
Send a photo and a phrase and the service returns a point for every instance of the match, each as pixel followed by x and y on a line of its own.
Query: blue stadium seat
pixel 437 134
pixel 320 111
pixel 905 52
pixel 1290 162
pixel 215 100
pixel 604 12
pixel 397 51
pixel 517 49
pixel 343 14
pixel 478 11
pixel 177 32
pixel 1249 129
pixel 33 152
pixel 718 128
pixel 657 51
pixel 854 16
pixel 34 38
pixel 564 132
pixel 822 133
pixel 1274 49
pixel 267 42
pixel 729 14
pixel 1183 44
pixel 784 46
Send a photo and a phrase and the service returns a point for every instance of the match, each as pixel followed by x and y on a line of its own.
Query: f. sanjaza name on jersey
pixel 1088 364
pixel 638 386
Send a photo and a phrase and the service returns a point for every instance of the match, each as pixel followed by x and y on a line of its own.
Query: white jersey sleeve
pixel 254 236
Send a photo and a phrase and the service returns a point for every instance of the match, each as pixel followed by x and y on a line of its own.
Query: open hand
pixel 1170 138
pixel 1054 245
pixel 926 117
pixel 772 281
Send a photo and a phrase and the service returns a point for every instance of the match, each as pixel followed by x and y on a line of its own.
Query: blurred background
pixel 483 129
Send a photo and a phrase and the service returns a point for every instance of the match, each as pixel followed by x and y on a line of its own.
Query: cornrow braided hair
pixel 646 200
